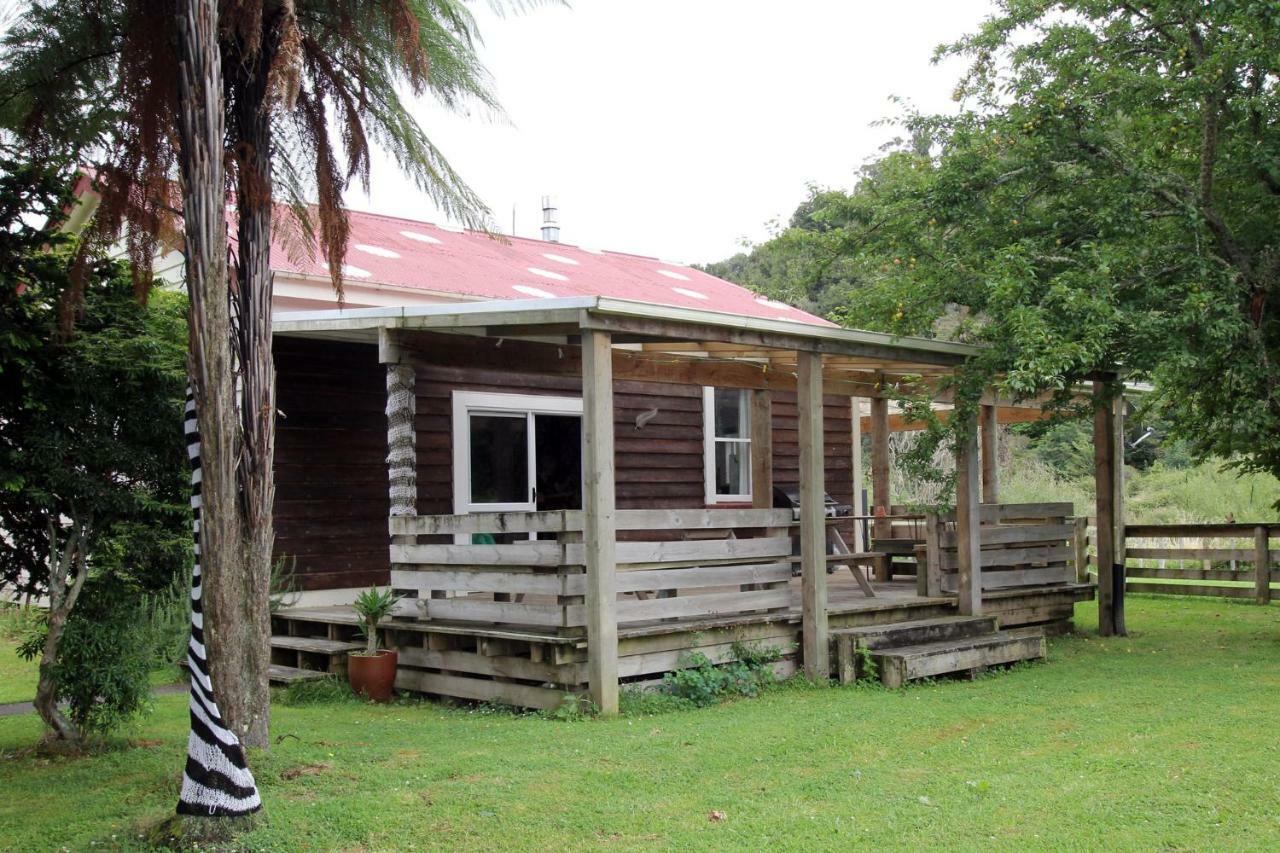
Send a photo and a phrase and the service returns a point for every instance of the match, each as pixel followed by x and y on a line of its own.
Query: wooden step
pixel 278 674
pixel 316 645
pixel 900 665
pixel 871 637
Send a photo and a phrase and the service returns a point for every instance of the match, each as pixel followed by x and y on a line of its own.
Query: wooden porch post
pixel 402 438
pixel 880 467
pixel 1110 573
pixel 813 532
pixel 968 523
pixel 855 436
pixel 761 449
pixel 1117 486
pixel 599 531
pixel 990 455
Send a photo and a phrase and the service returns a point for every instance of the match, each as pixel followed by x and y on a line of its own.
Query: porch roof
pixel 658 328
pixel 680 345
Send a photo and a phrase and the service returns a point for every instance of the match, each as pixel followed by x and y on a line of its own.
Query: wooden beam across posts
pixel 968 523
pixel 880 467
pixel 761 449
pixel 990 455
pixel 1261 566
pixel 599 523
pixel 813 529
pixel 1110 573
pixel 855 442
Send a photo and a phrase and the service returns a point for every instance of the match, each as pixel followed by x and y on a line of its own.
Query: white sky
pixel 679 128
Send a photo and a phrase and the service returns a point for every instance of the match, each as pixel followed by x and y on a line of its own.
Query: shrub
pixel 702 683
pixel 105 657
pixel 320 691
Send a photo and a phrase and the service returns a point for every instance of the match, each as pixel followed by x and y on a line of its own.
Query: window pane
pixel 732 418
pixel 499 459
pixel 558 461
pixel 733 467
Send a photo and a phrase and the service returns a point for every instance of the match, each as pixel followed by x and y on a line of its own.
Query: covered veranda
pixel 595 572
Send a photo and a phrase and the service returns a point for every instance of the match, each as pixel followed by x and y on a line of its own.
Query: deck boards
pixel 843 597
pixel 539 667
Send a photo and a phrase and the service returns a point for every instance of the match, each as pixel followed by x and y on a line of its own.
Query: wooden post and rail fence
pixel 1236 560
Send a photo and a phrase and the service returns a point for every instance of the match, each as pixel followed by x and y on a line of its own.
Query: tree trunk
pixel 218 790
pixel 240 663
pixel 62 598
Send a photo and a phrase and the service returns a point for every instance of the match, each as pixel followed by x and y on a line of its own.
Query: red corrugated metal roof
pixel 407 253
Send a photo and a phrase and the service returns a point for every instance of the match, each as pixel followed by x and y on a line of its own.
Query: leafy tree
pixel 1105 198
pixel 92 470
pixel 303 90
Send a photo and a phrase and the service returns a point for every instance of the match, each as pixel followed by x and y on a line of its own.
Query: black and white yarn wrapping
pixel 402 457
pixel 217 781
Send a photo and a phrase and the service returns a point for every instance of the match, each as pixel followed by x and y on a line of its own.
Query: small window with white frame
pixel 726 418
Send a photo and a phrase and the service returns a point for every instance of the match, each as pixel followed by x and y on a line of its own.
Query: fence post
pixel 929 576
pixel 1261 565
pixel 1081 542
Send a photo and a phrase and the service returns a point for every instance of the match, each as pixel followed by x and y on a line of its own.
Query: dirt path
pixel 13 709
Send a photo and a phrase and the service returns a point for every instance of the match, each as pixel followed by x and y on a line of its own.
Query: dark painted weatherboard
pixel 331 482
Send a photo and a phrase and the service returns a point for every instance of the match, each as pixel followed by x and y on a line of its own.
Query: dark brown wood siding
pixel 331 475
pixel 331 491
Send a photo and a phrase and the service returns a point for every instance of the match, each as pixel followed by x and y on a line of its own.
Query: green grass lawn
pixel 1165 739
pixel 17 676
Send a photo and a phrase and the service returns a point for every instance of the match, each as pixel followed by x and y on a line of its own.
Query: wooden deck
pixel 538 666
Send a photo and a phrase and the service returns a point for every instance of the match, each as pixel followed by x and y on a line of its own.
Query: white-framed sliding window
pixel 726 431
pixel 497 463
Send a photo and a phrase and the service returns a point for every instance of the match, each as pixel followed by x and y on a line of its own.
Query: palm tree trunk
pixel 241 664
pixel 223 550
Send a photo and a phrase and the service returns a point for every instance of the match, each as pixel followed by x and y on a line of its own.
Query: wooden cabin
pixel 574 493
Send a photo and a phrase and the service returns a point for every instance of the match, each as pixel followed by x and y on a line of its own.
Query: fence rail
pixel 1236 560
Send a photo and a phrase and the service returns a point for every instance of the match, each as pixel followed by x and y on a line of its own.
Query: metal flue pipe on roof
pixel 550 220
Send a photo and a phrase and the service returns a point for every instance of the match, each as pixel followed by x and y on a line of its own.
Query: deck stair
pixel 925 648
pixel 293 655
pixel 280 674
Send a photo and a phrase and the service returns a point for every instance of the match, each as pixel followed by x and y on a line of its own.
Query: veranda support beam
pixel 968 524
pixel 761 449
pixel 402 450
pixel 1118 409
pixel 813 532
pixel 599 528
pixel 990 455
pixel 855 441
pixel 1110 571
pixel 880 467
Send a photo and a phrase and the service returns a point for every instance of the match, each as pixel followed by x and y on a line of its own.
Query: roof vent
pixel 550 220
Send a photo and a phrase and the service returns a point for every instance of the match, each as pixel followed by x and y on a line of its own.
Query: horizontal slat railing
pixel 1235 560
pixel 738 563
pixel 571 521
pixel 1022 545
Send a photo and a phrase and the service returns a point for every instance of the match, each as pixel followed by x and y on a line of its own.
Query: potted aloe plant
pixel 372 672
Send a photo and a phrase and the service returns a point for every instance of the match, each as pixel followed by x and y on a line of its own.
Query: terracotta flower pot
pixel 372 676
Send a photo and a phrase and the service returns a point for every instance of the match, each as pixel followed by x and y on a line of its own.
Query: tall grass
pixel 1201 493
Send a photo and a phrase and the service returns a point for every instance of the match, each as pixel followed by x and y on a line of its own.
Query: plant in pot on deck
pixel 372 672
